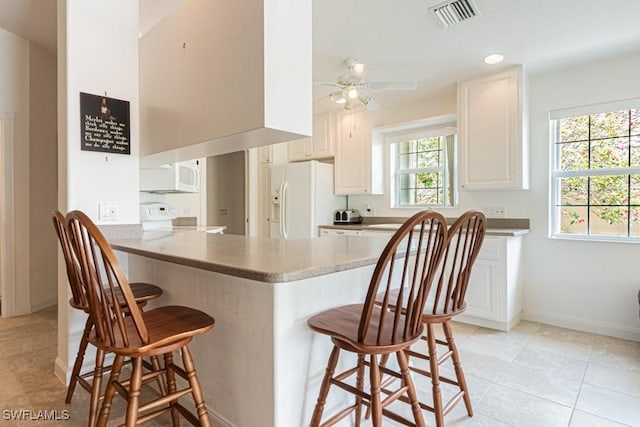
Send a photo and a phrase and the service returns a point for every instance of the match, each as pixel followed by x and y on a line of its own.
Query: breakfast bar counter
pixel 261 366
pixel 262 259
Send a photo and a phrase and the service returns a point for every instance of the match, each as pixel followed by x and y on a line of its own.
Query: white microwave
pixel 179 177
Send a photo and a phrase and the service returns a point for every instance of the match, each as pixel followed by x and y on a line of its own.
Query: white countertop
pixel 261 259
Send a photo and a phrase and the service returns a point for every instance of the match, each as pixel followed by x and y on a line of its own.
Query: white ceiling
pixel 400 40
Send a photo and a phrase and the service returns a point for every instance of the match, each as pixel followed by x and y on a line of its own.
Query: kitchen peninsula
pixel 260 366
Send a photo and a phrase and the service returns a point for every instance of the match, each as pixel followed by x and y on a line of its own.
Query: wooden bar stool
pixel 142 292
pixel 373 330
pixel 446 300
pixel 159 331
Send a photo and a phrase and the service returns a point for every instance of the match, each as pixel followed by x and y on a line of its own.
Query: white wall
pixel 588 285
pixel 583 285
pixel 43 171
pixel 101 55
pixel 97 53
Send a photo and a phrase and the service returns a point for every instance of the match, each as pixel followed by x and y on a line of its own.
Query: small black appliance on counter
pixel 346 216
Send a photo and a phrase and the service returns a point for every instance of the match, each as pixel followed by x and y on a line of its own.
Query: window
pixel 423 166
pixel 596 171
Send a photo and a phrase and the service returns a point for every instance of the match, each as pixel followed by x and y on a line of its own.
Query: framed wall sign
pixel 104 124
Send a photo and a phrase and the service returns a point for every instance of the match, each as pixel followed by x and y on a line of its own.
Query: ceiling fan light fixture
pixel 357 69
pixel 338 97
pixel 348 104
pixel 352 92
pixel 494 58
pixel 364 98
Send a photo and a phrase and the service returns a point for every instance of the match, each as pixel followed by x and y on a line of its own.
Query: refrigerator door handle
pixel 283 210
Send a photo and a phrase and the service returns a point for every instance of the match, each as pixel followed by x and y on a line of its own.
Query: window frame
pixel 395 174
pixel 556 174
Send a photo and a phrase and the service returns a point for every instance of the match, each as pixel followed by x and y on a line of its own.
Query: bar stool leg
pixel 435 375
pixel 462 382
pixel 95 387
pixel 403 362
pixel 110 391
pixel 196 389
pixel 134 392
pixel 77 366
pixel 155 363
pixel 359 386
pixel 324 387
pixel 171 385
pixel 374 378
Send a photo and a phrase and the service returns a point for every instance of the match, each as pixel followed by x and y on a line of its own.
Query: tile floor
pixel 535 375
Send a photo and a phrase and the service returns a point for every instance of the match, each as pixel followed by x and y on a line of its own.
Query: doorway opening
pixel 226 200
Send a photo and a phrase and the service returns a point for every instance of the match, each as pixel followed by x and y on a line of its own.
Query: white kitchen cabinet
pixel 492 132
pixel 339 232
pixel 494 296
pixel 319 145
pixel 358 161
pixel 273 154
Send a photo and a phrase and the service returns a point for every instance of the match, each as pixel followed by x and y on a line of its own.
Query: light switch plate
pixel 108 212
pixel 494 211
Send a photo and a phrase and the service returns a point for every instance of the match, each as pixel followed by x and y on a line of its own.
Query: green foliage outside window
pixel 421 171
pixel 600 194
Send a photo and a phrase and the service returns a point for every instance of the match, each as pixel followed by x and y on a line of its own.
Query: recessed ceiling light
pixel 494 58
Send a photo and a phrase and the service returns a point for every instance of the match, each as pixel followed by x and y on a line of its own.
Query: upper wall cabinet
pixel 219 77
pixel 321 143
pixel 492 132
pixel 273 154
pixel 356 155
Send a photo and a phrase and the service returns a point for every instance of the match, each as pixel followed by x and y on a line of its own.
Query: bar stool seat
pixel 166 326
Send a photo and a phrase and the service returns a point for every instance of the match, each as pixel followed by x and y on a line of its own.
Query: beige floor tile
pixel 616 353
pixel 566 335
pixel 521 334
pixel 583 419
pixel 557 387
pixel 489 347
pixel 523 410
pixel 561 347
pixel 482 366
pixel 615 406
pixel 536 358
pixel 613 379
pixel 30 344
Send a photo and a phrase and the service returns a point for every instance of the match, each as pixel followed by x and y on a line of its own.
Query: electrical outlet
pixel 494 211
pixel 371 210
pixel 108 212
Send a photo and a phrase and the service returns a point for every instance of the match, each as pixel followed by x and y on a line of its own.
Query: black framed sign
pixel 104 124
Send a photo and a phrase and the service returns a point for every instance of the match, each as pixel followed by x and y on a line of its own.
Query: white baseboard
pixel 219 420
pixel 61 371
pixel 46 303
pixel 491 324
pixel 584 325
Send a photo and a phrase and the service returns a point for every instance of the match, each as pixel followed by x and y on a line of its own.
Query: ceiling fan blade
pixel 330 84
pixel 392 85
pixel 372 105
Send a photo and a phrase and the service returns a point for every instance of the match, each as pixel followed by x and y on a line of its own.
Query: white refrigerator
pixel 302 199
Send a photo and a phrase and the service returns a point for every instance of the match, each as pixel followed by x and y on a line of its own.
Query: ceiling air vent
pixel 452 12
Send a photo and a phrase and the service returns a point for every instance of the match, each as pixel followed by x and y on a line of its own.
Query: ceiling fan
pixel 352 86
